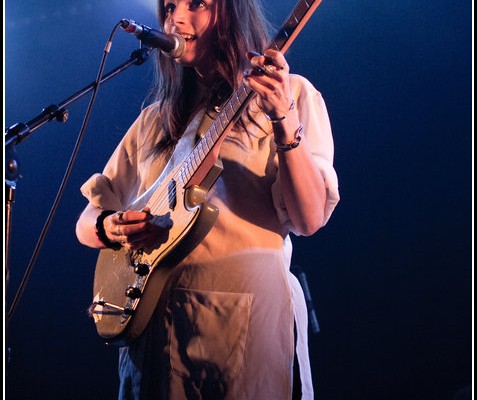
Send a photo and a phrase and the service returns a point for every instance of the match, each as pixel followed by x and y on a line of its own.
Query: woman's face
pixel 195 21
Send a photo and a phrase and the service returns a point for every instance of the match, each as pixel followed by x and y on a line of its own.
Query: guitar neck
pixel 293 25
pixel 242 95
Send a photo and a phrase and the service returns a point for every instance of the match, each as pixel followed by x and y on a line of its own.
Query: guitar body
pixel 121 305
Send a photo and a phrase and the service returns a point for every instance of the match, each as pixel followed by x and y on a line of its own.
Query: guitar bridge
pixel 102 307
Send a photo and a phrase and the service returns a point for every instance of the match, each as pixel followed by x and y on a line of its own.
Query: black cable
pixel 69 168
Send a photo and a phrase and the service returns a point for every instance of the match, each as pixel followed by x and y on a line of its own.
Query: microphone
pixel 300 274
pixel 172 44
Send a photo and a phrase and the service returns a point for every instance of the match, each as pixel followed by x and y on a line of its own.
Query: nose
pixel 178 16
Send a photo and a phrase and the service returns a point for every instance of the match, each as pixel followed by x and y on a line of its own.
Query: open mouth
pixel 188 38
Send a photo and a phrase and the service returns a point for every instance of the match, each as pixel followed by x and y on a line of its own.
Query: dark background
pixel 391 273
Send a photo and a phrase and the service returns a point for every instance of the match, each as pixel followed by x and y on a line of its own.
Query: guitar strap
pixel 194 132
pixel 207 119
pixel 187 141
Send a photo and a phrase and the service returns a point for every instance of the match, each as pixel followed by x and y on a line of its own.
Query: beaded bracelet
pixel 101 233
pixel 291 145
pixel 277 120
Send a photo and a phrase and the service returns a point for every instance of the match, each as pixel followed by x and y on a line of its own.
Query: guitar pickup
pixel 172 192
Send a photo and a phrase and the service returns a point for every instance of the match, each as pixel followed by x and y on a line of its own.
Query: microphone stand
pixel 18 132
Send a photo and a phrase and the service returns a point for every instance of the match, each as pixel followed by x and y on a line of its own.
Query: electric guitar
pixel 128 284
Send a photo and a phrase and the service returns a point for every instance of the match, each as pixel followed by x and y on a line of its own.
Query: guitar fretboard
pixel 213 134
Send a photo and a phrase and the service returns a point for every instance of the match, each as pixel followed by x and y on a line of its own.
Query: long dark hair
pixel 241 27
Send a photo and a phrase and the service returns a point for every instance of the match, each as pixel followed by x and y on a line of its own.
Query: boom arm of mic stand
pixel 18 132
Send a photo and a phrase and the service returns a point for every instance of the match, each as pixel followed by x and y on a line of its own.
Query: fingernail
pixel 251 54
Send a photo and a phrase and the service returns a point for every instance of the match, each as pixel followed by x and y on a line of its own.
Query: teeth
pixel 187 37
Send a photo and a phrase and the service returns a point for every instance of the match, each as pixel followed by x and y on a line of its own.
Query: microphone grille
pixel 180 46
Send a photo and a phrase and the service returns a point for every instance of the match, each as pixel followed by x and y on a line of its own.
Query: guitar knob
pixel 133 292
pixel 141 269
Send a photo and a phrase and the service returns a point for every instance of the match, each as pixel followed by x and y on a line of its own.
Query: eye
pixel 169 8
pixel 195 4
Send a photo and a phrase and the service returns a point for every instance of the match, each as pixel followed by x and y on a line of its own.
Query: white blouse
pixel 232 305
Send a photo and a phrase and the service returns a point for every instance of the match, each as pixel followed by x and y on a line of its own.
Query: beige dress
pixel 225 328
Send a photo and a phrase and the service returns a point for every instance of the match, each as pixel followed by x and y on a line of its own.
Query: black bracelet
pixel 280 119
pixel 292 145
pixel 101 233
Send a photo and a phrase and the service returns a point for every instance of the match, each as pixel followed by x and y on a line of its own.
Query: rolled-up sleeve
pixel 120 182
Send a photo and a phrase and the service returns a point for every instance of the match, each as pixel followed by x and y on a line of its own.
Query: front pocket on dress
pixel 208 335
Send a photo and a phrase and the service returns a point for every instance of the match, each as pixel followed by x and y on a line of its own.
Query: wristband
pixel 101 233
